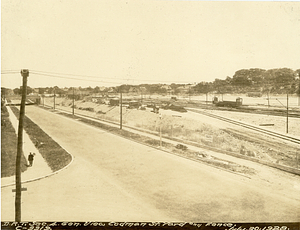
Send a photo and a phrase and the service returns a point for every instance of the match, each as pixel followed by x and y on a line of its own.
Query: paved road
pixel 114 179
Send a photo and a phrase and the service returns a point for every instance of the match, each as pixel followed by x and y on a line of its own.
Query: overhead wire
pixel 85 77
pixel 89 76
pixel 68 74
pixel 9 71
pixel 72 78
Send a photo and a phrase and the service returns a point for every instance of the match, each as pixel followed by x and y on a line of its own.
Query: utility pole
pixel 25 74
pixel 121 104
pixel 54 100
pixel 297 161
pixel 287 112
pixel 73 102
pixel 160 142
pixel 4 92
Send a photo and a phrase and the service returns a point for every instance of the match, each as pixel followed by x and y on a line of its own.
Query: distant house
pixel 111 90
pixel 183 89
pixel 143 90
pixel 134 90
pixel 35 90
pixel 100 99
pixel 168 89
pixel 74 94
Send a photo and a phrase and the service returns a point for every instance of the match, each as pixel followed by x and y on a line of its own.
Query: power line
pixel 90 76
pixel 14 70
pixel 85 77
pixel 68 74
pixel 71 78
pixel 10 72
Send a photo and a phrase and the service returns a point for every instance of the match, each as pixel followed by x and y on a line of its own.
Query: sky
pixel 85 43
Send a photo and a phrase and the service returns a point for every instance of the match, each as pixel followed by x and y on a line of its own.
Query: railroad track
pixel 251 127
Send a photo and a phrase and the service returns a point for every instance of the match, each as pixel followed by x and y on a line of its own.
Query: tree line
pixel 276 81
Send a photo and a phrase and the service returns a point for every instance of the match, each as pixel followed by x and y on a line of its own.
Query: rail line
pixel 251 127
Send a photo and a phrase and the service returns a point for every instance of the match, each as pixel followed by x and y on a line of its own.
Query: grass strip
pixel 9 147
pixel 55 156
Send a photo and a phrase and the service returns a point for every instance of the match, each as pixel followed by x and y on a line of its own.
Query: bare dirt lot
pixel 201 129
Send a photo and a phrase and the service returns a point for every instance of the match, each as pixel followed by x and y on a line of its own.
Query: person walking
pixel 30 159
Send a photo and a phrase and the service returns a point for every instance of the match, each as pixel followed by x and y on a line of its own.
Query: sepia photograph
pixel 173 114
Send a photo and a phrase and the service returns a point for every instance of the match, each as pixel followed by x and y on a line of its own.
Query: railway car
pixel 134 105
pixel 233 104
pixel 114 101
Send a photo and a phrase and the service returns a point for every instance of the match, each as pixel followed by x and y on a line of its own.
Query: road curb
pixel 45 176
pixel 147 132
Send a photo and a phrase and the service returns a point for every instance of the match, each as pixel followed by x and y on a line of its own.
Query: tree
pixel 220 85
pixel 17 91
pixel 203 87
pixel 241 78
pixel 96 89
pixel 42 90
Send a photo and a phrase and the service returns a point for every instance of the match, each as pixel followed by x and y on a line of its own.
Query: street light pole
pixel 25 74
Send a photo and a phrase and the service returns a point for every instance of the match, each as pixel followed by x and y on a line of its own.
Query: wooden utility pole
pixel 73 102
pixel 160 141
pixel 297 161
pixel 121 105
pixel 54 100
pixel 287 113
pixel 25 74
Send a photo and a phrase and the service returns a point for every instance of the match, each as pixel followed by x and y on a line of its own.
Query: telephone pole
pixel 25 74
pixel 287 112
pixel 54 100
pixel 121 108
pixel 73 102
pixel 160 142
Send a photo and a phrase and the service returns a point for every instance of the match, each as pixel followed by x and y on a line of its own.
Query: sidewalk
pixel 39 168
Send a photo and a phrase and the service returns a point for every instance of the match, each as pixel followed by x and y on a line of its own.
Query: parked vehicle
pixel 233 104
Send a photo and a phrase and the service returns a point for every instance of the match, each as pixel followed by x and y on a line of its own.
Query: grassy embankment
pixel 9 146
pixel 55 156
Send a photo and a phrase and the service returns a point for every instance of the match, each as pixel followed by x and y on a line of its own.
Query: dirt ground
pixel 276 123
pixel 202 129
